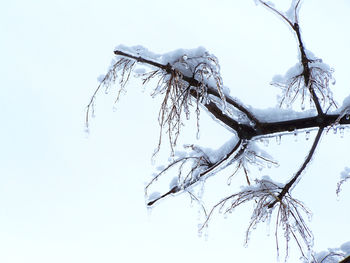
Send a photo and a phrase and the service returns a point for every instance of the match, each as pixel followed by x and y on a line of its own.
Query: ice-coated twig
pixel 191 81
pixel 236 152
pixel 123 66
pixel 287 187
pixel 304 59
pixel 289 217
pixel 345 176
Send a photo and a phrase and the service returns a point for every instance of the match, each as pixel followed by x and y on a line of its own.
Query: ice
pixel 307 135
pixel 335 130
pixel 278 139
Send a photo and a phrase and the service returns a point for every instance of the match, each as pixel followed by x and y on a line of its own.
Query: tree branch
pixel 306 72
pixel 345 260
pixel 299 172
pixel 303 123
pixel 240 144
pixel 192 82
pixel 303 57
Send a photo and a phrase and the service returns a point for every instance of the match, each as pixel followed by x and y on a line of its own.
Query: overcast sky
pixel 71 196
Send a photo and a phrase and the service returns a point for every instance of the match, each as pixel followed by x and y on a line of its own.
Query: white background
pixel 68 196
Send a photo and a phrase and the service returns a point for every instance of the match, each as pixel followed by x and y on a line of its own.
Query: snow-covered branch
pixel 188 80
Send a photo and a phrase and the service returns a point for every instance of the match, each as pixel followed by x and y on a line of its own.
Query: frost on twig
pixel 200 163
pixel 345 175
pixel 197 166
pixel 293 85
pixel 310 77
pixel 120 68
pixel 185 80
pixel 290 212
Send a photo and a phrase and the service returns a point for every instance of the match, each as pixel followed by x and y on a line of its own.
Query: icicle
pixel 295 136
pixel 307 135
pixel 229 180
pixel 149 210
pixel 198 134
pixel 341 131
pixel 200 232
pixel 87 131
pixel 266 142
pixel 335 129
pixel 206 234
pixel 278 139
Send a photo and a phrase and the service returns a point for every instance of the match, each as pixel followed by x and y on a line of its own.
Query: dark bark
pixel 345 260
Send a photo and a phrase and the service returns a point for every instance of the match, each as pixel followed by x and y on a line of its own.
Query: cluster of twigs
pixel 295 87
pixel 176 103
pixel 289 218
pixel 122 68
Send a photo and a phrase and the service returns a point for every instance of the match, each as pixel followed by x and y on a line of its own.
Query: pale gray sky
pixel 66 196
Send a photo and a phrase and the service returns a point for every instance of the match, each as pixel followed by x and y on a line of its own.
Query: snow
pixel 153 196
pixel 291 12
pixel 275 114
pixel 346 105
pixel 214 155
pixel 346 248
pixel 345 174
pixel 196 62
pixel 296 70
pixel 140 71
pixel 178 55
pixel 160 168
pixel 265 183
pixel 139 51
pixel 174 182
